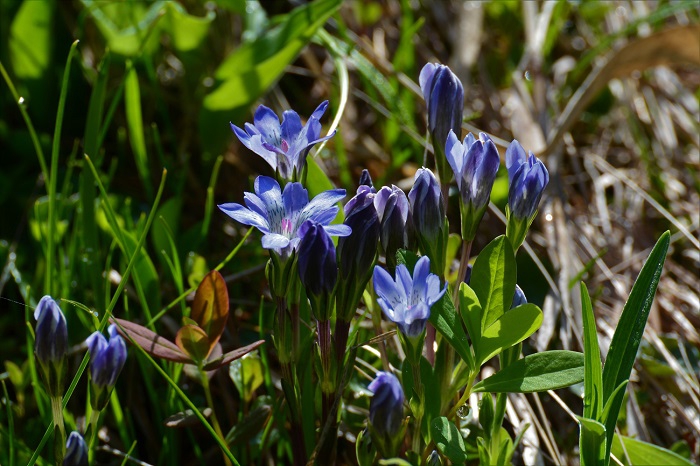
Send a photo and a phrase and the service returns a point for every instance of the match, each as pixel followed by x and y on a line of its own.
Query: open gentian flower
pixel 407 301
pixel 278 215
pixel 284 146
pixel 475 164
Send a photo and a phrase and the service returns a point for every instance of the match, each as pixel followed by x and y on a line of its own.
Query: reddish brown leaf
pixel 231 356
pixel 210 308
pixel 193 341
pixel 152 343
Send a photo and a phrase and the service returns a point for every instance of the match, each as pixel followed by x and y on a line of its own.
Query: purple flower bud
pixel 475 164
pixel 106 359
pixel 528 177
pixel 76 451
pixel 317 266
pixel 428 214
pixel 366 180
pixel 386 406
pixel 51 342
pixel 392 208
pixel 357 251
pixel 518 298
pixel 407 300
pixel 444 96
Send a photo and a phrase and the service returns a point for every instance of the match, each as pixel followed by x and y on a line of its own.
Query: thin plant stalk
pixel 59 431
pixel 210 403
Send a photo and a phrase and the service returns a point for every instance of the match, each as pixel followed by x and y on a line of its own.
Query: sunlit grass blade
pixel 209 206
pixel 108 312
pixel 593 368
pixel 134 120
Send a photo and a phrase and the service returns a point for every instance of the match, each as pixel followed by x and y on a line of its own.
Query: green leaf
pixel 493 279
pixel 152 343
pixel 548 370
pixel 591 442
pixel 645 453
pixel 612 409
pixel 192 340
pixel 444 318
pixel 629 331
pixel 187 32
pixel 247 375
pixel 511 328
pixel 448 440
pixel 31 39
pixel 593 368
pixel 211 306
pixel 471 312
pixel 250 70
pixel 134 123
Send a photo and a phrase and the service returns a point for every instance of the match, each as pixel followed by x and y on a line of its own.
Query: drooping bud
pixel 444 96
pixel 475 164
pixel 429 220
pixel 527 178
pixel 76 451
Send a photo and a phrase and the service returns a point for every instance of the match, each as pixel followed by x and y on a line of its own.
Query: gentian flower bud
pixel 386 410
pixel 527 177
pixel 444 95
pixel 475 164
pixel 51 342
pixel 392 208
pixel 106 362
pixel 434 459
pixel 366 180
pixel 317 267
pixel 76 451
pixel 429 220
pixel 510 355
pixel 518 298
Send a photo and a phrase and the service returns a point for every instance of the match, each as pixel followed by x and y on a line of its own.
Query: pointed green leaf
pixel 539 372
pixel 448 440
pixel 511 328
pixel 646 453
pixel 591 442
pixel 444 318
pixel 593 380
pixel 470 309
pixel 493 279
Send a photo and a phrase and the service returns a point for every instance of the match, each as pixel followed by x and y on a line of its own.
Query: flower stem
pixel 418 388
pixel 93 427
pixel 210 403
pixel 463 265
pixel 59 429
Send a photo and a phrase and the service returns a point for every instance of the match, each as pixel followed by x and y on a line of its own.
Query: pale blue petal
pixel 295 198
pixel 433 293
pixel 404 283
pixel 291 126
pixel 425 79
pixel 245 216
pixel 269 191
pixel 454 152
pixel 320 207
pixel 251 129
pixel 267 122
pixel 515 156
pixel 255 204
pixel 338 230
pixel 274 241
pixel 257 145
pixel 96 343
pixel 320 110
pixel 420 275
pixel 387 309
pixel 380 201
pixel 242 135
pixel 386 288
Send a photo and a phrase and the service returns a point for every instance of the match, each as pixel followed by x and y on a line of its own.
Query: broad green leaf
pixel 493 279
pixel 539 372
pixel 511 328
pixel 645 453
pixel 317 181
pixel 211 306
pixel 250 70
pixel 444 318
pixel 193 341
pixel 170 212
pixel 134 123
pixel 630 328
pixel 31 39
pixel 247 375
pixel 471 312
pixel 593 368
pixel 187 32
pixel 448 440
pixel 591 442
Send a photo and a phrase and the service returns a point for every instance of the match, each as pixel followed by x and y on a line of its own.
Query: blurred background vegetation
pixel 605 92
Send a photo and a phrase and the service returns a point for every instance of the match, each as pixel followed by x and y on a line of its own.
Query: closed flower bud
pixel 428 214
pixel 392 208
pixel 366 180
pixel 434 459
pixel 527 178
pixel 444 97
pixel 518 298
pixel 386 406
pixel 358 251
pixel 106 358
pixel 51 342
pixel 76 451
pixel 317 266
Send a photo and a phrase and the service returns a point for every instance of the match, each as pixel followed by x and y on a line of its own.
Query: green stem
pixel 210 403
pixel 60 430
pixel 465 396
pixel 94 427
pixel 418 387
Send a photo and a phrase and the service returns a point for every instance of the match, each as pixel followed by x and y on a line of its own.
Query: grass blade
pixel 593 368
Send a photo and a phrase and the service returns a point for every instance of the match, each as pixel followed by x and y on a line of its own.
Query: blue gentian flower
pixel 76 451
pixel 278 215
pixel 106 359
pixel 475 164
pixel 527 177
pixel 386 406
pixel 392 208
pixel 358 251
pixel 407 301
pixel 284 146
pixel 518 298
pixel 51 342
pixel 444 95
pixel 317 266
